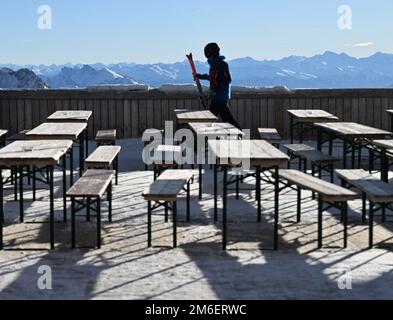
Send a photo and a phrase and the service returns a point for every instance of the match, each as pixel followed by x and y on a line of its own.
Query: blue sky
pixel 148 31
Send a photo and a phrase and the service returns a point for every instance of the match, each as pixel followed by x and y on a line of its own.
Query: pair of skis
pixel 203 98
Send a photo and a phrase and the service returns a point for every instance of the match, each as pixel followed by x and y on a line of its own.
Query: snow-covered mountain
pixel 85 76
pixel 23 78
pixel 327 70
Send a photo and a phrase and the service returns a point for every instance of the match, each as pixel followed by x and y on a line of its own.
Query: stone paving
pixel 198 269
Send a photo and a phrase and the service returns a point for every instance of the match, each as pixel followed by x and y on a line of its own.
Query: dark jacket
pixel 220 79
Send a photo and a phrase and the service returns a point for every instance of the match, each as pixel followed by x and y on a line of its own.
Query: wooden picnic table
pixel 184 116
pixel 302 118
pixel 212 130
pixel 73 116
pixel 2 137
pixel 259 154
pixel 74 131
pixel 351 133
pixel 42 156
pixel 70 116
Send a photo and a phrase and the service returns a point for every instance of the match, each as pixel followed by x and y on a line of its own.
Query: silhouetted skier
pixel 220 79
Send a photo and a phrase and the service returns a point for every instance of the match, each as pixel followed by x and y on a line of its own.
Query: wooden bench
pixel 87 193
pixel 164 192
pixel 105 157
pixel 319 160
pixel 329 193
pixel 165 157
pixel 377 192
pixel 271 135
pixel 106 137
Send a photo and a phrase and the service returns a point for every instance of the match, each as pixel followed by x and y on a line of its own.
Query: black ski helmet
pixel 212 50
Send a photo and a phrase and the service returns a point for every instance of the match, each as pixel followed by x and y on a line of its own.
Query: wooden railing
pixel 132 112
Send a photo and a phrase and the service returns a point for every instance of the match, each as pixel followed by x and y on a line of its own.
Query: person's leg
pixel 222 109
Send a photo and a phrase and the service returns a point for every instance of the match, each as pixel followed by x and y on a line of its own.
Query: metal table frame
pixel 47 177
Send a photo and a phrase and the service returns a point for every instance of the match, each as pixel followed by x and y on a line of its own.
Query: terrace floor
pixel 125 269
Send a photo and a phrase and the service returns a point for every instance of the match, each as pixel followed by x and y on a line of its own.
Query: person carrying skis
pixel 220 79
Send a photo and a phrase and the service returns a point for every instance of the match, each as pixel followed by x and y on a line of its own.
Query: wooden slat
pixel 327 190
pixel 93 183
pixel 376 190
pixel 34 152
pixel 103 156
pixel 168 185
pixel 58 130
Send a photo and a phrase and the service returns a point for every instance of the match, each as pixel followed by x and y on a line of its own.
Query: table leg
pixel 384 166
pixel 200 182
pixel 292 128
pixel 64 188
pixel 73 223
pixel 99 223
pixel 87 142
pixel 276 206
pixel 215 193
pixel 258 193
pixel 21 214
pixel 52 209
pixel 301 133
pixel 224 210
pixel 34 182
pixel 353 147
pixel 71 166
pixel 319 139
pixel 81 154
pixel 344 154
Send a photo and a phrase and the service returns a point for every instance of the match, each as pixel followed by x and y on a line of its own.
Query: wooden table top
pixel 3 132
pixel 215 129
pixel 34 152
pixel 312 115
pixel 259 152
pixel 353 130
pixel 184 117
pixel 70 116
pixel 57 130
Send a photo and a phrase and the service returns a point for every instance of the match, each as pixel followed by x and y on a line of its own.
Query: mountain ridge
pixel 326 70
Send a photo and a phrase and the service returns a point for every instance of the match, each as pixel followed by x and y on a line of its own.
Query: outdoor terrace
pixel 198 269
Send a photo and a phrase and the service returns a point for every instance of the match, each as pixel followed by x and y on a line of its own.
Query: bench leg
pixel 344 210
pixel 81 154
pixel 330 147
pixel 188 202
pixel 73 223
pixel 331 169
pixel 110 202
pixel 215 193
pixel 175 224
pixel 371 226
pixel 149 224
pixel 320 217
pixel 364 209
pixel 383 207
pixel 370 161
pixel 299 204
pixel 64 187
pixel 99 223
pixel 1 208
